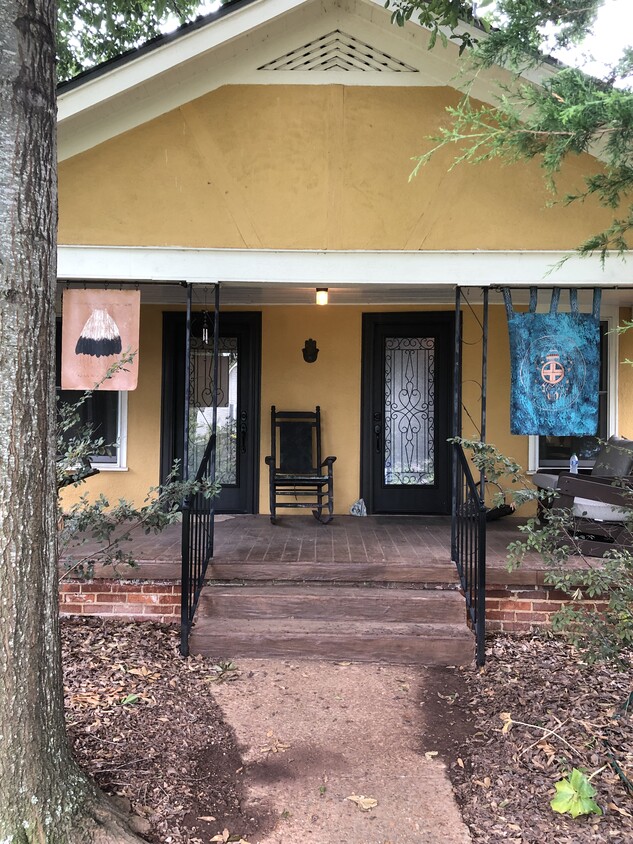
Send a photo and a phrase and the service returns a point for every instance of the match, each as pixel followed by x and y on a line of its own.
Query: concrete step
pixel 332 603
pixel 359 641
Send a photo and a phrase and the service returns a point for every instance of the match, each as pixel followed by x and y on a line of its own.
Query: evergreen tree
pixel 567 113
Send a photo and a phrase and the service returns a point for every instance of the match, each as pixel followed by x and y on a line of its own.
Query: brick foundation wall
pixel 515 608
pixel 124 599
pixel 508 607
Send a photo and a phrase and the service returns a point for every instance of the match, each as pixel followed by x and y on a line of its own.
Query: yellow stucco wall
pixel 314 167
pixel 625 378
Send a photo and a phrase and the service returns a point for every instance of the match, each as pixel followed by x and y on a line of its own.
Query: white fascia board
pixel 257 266
pixel 162 59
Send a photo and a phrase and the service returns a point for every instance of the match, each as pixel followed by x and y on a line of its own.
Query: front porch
pixel 377 588
pixel 380 548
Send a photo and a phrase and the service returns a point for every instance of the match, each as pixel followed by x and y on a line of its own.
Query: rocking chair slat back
pixel 296 440
pixel 298 475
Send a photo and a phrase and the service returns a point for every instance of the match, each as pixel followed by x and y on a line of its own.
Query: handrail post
pixel 185 584
pixel 470 549
pixel 480 631
pixel 457 373
pixel 185 591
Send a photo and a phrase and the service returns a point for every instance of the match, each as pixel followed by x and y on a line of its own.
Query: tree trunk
pixel 44 797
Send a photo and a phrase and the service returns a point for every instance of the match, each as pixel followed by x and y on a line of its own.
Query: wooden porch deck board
pixel 415 549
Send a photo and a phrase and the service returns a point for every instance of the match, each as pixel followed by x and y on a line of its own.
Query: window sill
pixel 107 467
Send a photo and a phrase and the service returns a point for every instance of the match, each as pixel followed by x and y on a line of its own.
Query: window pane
pixel 409 411
pixel 101 410
pixel 201 407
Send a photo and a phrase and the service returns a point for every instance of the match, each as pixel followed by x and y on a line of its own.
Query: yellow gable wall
pixel 308 167
pixel 333 381
pixel 314 167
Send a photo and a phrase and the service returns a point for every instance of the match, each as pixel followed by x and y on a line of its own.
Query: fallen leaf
pixel 363 803
pixel 430 754
pixel 207 818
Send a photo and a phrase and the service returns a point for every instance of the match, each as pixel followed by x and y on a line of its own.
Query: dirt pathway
pixel 315 733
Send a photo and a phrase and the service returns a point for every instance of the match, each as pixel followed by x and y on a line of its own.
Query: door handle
pixel 377 430
pixel 243 430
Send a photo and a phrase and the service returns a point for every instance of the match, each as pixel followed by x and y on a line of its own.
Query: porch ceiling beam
pixel 258 266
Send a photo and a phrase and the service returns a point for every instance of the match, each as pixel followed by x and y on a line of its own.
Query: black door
pixel 406 401
pixel 237 453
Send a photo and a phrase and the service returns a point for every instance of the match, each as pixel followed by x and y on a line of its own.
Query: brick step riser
pixel 401 650
pixel 362 608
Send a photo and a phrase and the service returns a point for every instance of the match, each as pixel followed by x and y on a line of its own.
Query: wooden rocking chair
pixel 600 503
pixel 296 468
pixel 601 509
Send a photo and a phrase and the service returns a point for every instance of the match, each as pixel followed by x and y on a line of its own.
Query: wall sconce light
pixel 321 296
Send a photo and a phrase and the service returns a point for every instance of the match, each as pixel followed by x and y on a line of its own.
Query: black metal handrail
pixel 468 546
pixel 198 511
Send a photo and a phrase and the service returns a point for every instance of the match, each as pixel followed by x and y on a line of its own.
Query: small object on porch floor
pixel 296 468
pixel 358 508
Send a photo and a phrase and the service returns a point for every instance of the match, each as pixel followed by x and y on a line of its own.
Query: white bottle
pixel 573 464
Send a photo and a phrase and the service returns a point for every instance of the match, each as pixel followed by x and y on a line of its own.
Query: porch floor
pixel 413 548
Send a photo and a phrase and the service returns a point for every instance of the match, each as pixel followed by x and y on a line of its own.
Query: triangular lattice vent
pixel 338 51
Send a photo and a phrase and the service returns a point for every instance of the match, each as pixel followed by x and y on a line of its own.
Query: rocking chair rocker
pixel 296 468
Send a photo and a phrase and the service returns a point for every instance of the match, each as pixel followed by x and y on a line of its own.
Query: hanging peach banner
pixel 99 327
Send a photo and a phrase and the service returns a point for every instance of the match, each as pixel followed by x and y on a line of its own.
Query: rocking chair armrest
pixel 328 462
pixel 596 489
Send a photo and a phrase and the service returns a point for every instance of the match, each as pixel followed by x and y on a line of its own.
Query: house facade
pixel 268 149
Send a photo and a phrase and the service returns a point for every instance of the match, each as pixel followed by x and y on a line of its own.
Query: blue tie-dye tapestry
pixel 555 368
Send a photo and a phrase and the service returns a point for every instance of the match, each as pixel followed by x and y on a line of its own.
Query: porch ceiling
pixel 255 295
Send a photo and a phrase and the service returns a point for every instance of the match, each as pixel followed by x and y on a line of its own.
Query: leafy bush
pixel 601 627
pixel 111 525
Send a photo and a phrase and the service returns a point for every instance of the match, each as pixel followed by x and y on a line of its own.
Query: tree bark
pixel 44 797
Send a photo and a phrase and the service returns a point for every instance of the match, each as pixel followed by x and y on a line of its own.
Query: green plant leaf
pixel 128 699
pixel 574 796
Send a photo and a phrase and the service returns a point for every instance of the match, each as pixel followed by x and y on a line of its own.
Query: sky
pixel 612 33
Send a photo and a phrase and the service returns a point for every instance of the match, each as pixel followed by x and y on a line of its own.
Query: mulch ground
pixel 144 724
pixel 511 731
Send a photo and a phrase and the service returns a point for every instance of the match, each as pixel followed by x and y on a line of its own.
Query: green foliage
pixel 602 627
pixel 436 15
pixel 574 796
pixel 567 113
pixel 89 33
pixel 110 525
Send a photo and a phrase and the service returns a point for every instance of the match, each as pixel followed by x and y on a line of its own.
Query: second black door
pixel 407 391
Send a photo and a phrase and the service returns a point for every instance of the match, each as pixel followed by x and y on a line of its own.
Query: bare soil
pixel 291 741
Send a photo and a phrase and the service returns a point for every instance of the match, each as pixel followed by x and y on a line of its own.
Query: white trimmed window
pixel 553 453
pixel 105 411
